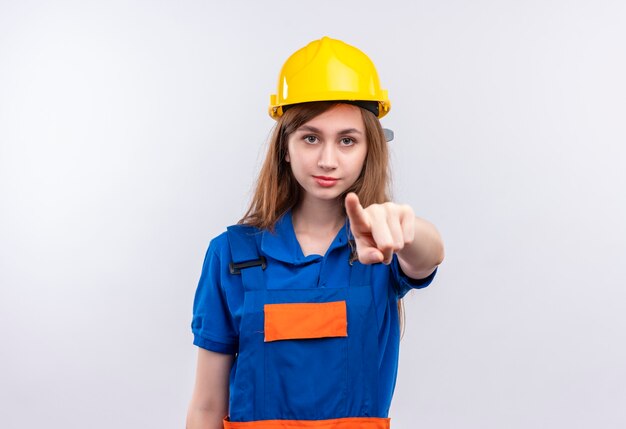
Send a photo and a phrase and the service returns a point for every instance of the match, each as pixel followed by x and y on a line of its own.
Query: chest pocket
pixel 305 321
pixel 306 358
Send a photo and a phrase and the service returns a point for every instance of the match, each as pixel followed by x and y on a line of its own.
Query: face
pixel 327 153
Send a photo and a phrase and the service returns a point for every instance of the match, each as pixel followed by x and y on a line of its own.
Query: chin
pixel 325 195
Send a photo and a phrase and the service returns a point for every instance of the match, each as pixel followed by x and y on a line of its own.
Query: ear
pixel 287 157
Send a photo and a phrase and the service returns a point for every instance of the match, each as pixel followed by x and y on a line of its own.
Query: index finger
pixel 356 213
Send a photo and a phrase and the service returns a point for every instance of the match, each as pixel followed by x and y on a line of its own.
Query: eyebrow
pixel 318 131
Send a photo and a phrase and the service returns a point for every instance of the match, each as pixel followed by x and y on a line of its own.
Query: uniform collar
pixel 283 245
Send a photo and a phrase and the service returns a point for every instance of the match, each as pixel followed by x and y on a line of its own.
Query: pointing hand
pixel 379 230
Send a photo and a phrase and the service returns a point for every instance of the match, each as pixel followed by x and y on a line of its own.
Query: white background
pixel 130 135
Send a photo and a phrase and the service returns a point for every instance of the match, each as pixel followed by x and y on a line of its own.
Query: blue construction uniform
pixel 311 378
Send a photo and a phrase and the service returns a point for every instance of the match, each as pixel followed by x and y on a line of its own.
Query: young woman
pixel 296 311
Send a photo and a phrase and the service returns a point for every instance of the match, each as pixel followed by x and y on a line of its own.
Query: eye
pixel 310 139
pixel 347 141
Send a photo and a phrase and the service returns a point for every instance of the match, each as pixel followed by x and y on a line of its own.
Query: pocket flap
pixel 305 320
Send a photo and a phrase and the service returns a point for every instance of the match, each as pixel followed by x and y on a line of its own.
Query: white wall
pixel 130 133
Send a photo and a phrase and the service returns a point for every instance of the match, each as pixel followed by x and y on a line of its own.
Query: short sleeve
pixel 405 283
pixel 212 324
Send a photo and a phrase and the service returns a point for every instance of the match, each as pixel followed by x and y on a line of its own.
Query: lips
pixel 325 181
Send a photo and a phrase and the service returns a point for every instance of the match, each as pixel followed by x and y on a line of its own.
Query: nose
pixel 327 157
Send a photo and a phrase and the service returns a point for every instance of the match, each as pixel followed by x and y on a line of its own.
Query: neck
pixel 321 217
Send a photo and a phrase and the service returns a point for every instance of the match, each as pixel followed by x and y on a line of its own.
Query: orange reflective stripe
pixel 305 320
pixel 345 423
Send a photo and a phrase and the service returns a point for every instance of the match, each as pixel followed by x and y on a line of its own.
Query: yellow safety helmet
pixel 327 70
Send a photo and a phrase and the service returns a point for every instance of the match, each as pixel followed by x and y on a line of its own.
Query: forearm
pixel 198 418
pixel 420 257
